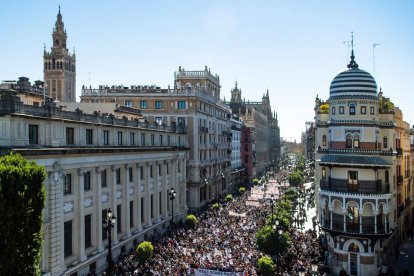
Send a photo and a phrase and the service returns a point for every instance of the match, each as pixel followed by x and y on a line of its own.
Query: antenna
pixel 348 44
pixel 373 55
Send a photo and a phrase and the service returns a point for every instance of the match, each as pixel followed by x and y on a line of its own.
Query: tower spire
pixel 352 64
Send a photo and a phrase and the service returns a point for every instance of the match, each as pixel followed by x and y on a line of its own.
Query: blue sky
pixel 292 48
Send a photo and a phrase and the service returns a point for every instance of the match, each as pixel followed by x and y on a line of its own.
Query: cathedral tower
pixel 60 66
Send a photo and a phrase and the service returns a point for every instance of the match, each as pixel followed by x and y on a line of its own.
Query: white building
pixel 96 162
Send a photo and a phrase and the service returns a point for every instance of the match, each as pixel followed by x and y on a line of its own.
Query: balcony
pixel 400 179
pixel 362 186
pixel 367 227
pixel 399 151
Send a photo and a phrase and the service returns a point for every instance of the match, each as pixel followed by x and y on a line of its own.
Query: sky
pixel 292 48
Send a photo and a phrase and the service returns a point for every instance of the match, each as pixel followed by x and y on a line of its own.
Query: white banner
pixel 208 272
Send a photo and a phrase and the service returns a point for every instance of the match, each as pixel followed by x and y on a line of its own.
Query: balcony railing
pixel 362 186
pixel 367 227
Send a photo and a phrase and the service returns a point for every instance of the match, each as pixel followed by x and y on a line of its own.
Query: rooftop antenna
pixel 348 44
pixel 373 55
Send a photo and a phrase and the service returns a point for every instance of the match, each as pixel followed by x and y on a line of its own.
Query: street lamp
pixel 205 189
pixel 272 202
pixel 172 194
pixel 222 183
pixel 279 232
pixel 107 224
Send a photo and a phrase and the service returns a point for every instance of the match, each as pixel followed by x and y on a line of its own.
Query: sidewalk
pixel 406 258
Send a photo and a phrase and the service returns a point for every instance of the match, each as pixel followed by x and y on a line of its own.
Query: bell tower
pixel 60 66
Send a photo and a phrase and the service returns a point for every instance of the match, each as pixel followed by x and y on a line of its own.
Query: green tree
pixel 22 199
pixel 229 197
pixel 295 178
pixel 216 206
pixel 191 221
pixel 270 242
pixel 242 190
pixel 324 108
pixel 266 266
pixel 255 181
pixel 144 251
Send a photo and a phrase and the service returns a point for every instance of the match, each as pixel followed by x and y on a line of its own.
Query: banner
pixel 208 272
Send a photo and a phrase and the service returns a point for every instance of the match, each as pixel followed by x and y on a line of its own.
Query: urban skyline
pixel 294 49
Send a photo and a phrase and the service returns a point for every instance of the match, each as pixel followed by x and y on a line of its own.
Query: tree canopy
pixel 22 199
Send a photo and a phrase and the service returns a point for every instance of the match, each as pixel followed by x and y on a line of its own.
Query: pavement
pixel 405 259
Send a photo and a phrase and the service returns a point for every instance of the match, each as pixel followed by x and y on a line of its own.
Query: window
pixel 142 139
pixel 324 140
pixel 356 141
pixel 333 110
pixel 179 140
pixel 352 109
pixel 158 120
pixel 168 140
pixel 152 140
pixel 161 142
pixel 87 181
pixel 181 121
pixel 143 104
pixel 142 209
pixel 151 174
pixel 103 178
pixel 128 103
pixel 181 105
pixel 363 110
pixel 70 136
pixel 88 231
pixel 67 188
pixel 341 110
pixel 372 110
pixel 167 168
pixel 385 141
pixel 118 175
pixel 323 172
pixel 106 137
pixel 119 138
pixel 89 137
pixel 118 219
pixel 387 177
pixel 33 134
pixel 130 174
pixel 352 181
pixel 152 206
pixel 178 166
pixel 131 213
pixel 104 230
pixel 159 169
pixel 160 203
pixel 68 238
pixel 132 138
pixel 158 104
pixel 348 141
pixel 141 172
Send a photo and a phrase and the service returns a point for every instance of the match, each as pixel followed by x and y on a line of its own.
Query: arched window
pixel 352 109
pixel 324 140
pixel 349 141
pixel 387 177
pixel 353 247
pixel 356 141
pixel 53 64
pixel 45 65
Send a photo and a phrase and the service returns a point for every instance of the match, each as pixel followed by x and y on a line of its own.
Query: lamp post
pixel 172 194
pixel 272 202
pixel 205 190
pixel 108 224
pixel 278 230
pixel 222 183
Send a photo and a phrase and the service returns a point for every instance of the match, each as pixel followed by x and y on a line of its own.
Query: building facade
pixel 237 169
pixel 96 162
pixel 259 117
pixel 195 103
pixel 60 66
pixel 362 173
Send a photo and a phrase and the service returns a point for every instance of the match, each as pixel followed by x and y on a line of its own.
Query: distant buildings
pixel 363 173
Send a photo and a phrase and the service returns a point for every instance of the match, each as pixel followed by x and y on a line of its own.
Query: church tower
pixel 236 94
pixel 60 66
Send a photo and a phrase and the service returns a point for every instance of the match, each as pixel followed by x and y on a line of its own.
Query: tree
pixel 229 197
pixel 255 181
pixel 216 206
pixel 191 221
pixel 22 199
pixel 295 178
pixel 242 190
pixel 266 266
pixel 271 242
pixel 144 251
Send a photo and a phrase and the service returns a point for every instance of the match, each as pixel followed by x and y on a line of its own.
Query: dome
pixel 353 81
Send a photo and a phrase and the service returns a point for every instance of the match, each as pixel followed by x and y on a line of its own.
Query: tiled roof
pixel 356 160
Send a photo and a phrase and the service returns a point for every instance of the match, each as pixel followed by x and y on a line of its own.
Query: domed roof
pixel 353 81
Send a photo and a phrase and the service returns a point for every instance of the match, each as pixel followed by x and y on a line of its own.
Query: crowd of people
pixel 224 240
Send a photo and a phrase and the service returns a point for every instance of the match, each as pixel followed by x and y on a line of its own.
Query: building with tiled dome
pixel 362 173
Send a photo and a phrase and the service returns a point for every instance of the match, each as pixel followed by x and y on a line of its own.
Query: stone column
pixel 56 261
pixel 98 209
pixel 138 195
pixel 165 191
pixel 80 212
pixel 360 222
pixel 375 221
pixel 126 200
pixel 114 202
